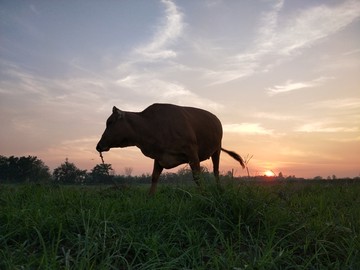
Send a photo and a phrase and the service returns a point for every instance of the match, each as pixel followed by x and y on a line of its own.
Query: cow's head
pixel 117 132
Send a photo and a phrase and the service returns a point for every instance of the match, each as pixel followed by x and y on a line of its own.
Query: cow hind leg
pixel 216 160
pixel 195 168
pixel 155 177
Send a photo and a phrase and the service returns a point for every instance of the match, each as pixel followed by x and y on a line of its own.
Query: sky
pixel 282 76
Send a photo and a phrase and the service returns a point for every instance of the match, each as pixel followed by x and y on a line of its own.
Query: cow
pixel 170 135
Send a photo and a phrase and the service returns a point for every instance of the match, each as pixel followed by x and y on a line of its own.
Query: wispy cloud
pixel 352 52
pixel 308 27
pixel 247 128
pixel 80 150
pixel 155 86
pixel 314 24
pixel 278 42
pixel 245 64
pixel 49 100
pixel 267 29
pixel 346 140
pixel 291 152
pixel 155 89
pixel 169 30
pixel 274 116
pixel 344 103
pixel 18 81
pixel 289 86
pixel 323 127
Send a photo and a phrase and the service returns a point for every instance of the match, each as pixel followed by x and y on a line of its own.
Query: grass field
pixel 302 225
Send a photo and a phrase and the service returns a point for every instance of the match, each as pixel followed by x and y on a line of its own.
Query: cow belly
pixel 169 161
pixel 206 152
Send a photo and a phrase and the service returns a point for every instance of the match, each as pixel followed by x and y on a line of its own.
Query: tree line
pixel 30 169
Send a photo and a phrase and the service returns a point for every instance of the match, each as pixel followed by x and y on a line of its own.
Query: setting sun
pixel 269 173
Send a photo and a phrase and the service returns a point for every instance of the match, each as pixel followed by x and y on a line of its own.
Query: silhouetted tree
pixel 4 168
pixel 68 173
pixel 23 169
pixel 102 173
pixel 13 169
pixel 32 169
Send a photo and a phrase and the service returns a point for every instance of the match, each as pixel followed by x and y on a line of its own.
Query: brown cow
pixel 169 134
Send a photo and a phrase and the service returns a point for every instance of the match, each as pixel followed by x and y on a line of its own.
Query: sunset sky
pixel 282 76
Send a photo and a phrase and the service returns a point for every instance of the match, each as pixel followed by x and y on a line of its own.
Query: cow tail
pixel 235 156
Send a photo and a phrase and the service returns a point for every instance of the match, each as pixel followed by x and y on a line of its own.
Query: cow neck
pixel 141 130
pixel 137 125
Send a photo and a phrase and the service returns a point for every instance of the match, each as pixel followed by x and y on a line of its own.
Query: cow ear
pixel 119 113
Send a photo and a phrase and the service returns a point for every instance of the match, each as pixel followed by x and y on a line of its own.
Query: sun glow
pixel 269 173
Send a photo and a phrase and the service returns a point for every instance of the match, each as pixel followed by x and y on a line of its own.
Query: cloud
pixel 129 85
pixel 247 128
pixel 230 74
pixel 345 103
pixel 129 81
pixel 352 52
pixel 342 117
pixel 155 86
pixel 309 26
pixel 19 81
pixel 81 151
pixel 277 42
pixel 170 29
pixel 346 140
pixel 267 29
pixel 247 63
pixel 274 116
pixel 289 86
pixel 290 152
pixel 314 24
pixel 322 127
pixel 35 104
pixel 155 89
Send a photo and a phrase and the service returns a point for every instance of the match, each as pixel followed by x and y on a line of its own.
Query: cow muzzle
pixel 100 148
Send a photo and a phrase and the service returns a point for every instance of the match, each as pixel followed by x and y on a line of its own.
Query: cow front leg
pixel 155 177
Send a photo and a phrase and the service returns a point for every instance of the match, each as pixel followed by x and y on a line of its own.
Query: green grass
pixel 243 226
